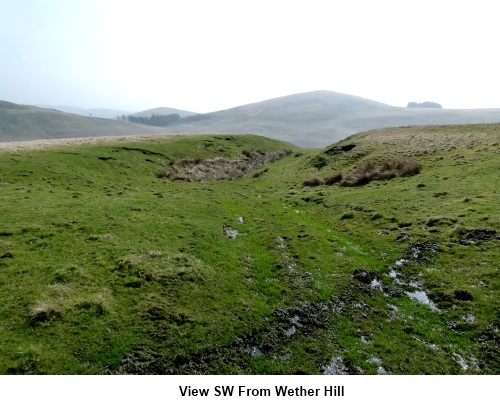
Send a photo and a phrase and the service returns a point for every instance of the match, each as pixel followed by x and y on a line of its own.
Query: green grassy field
pixel 106 268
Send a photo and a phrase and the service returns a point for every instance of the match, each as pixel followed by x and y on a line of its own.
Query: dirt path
pixel 55 143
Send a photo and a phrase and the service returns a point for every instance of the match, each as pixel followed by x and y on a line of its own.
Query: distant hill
pixel 22 123
pixel 87 112
pixel 163 111
pixel 319 118
pixel 313 119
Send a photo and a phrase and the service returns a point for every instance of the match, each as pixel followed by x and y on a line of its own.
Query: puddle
pixel 365 341
pixel 460 360
pixel 230 232
pixel 469 318
pixel 291 331
pixel 256 352
pixel 421 296
pixel 381 370
pixel 417 252
pixel 281 242
pixel 336 367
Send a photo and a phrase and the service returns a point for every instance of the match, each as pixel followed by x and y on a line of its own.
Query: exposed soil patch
pixel 143 151
pixel 195 169
pixel 473 236
pixel 489 358
pixel 304 318
pixel 364 276
pixel 419 252
pixel 339 149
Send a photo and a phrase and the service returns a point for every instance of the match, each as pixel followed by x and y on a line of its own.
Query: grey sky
pixel 209 55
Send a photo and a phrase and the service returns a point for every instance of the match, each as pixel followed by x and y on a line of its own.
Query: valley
pixel 106 267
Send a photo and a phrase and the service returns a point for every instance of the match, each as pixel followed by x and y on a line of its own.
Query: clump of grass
pixel 347 215
pixel 333 178
pixel 251 154
pixel 162 268
pixel 319 162
pixel 27 361
pixel 98 303
pixel 438 220
pixel 368 171
pixel 162 173
pixel 402 167
pixel 71 274
pixel 43 312
pixel 313 182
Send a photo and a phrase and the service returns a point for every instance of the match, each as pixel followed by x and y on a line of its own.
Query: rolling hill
pixel 107 113
pixel 313 119
pixel 318 118
pixel 163 111
pixel 23 123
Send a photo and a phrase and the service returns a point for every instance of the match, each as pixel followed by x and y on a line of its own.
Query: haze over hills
pixel 163 111
pixel 24 123
pixel 312 119
pixel 87 112
pixel 319 118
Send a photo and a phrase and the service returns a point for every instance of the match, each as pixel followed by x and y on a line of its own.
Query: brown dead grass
pixel 196 169
pixel 63 142
pixel 313 182
pixel 368 171
pixel 44 312
pixel 422 140
pixel 333 178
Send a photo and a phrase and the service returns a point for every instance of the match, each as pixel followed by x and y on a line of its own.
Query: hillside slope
pixel 318 118
pixel 22 123
pixel 107 113
pixel 163 111
pixel 115 260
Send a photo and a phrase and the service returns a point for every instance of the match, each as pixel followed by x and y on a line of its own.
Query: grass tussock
pixel 367 172
pixel 43 312
pixel 99 304
pixel 313 182
pixel 333 178
pixel 197 169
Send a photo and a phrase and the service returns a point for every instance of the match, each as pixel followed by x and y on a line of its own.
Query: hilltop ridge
pixel 312 119
pixel 25 122
pixel 318 118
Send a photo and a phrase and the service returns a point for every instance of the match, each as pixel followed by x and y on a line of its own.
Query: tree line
pixel 425 104
pixel 156 120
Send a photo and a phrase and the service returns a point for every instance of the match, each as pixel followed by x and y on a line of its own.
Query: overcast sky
pixel 209 55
